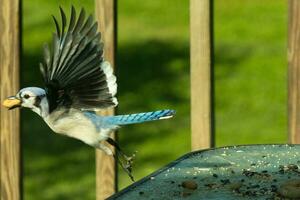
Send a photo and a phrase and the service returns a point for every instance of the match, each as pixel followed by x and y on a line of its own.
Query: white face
pixel 35 99
pixel 28 98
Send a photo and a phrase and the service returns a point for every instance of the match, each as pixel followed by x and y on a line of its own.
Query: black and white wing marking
pixel 74 70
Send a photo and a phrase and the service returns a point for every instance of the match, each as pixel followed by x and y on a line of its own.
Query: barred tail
pixel 140 117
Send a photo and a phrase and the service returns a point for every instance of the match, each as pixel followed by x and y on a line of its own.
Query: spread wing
pixel 74 70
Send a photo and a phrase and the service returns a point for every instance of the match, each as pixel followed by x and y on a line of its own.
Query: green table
pixel 237 172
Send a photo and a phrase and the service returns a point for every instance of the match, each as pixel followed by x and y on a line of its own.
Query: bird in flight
pixel 78 81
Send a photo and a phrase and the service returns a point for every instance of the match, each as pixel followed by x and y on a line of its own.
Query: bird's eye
pixel 26 96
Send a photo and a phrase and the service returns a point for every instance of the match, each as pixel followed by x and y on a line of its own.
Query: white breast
pixel 74 124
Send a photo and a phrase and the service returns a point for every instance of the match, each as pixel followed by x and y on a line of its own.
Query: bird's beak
pixel 12 102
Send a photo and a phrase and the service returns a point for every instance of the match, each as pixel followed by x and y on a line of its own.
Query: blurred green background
pixel 153 73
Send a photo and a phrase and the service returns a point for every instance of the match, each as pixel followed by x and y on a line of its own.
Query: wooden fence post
pixel 9 81
pixel 201 76
pixel 105 165
pixel 294 71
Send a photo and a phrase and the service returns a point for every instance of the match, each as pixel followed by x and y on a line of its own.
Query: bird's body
pixel 92 128
pixel 78 82
pixel 75 124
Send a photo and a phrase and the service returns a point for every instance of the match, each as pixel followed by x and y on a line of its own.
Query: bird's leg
pixel 126 168
pixel 124 160
pixel 128 159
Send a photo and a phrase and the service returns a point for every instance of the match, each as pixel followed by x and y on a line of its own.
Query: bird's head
pixel 30 97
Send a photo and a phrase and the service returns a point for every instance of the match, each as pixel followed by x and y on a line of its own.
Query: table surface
pixel 237 172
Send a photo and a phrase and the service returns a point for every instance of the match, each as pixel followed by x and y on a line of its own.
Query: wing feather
pixel 63 20
pixel 72 20
pixel 74 70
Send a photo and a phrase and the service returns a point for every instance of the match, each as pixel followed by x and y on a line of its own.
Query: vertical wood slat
pixel 9 81
pixel 294 71
pixel 200 56
pixel 105 165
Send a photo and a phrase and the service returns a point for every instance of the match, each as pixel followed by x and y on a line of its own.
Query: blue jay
pixel 78 82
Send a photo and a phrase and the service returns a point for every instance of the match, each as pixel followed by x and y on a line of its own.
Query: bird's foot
pixel 123 160
pixel 126 163
pixel 128 160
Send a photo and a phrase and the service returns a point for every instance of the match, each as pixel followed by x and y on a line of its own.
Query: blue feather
pixel 139 117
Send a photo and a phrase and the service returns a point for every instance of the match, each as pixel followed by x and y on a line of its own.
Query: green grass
pixel 153 73
pixel 251 72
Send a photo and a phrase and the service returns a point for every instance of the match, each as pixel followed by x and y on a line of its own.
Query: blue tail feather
pixel 140 117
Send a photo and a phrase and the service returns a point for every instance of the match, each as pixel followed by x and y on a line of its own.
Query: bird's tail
pixel 140 117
